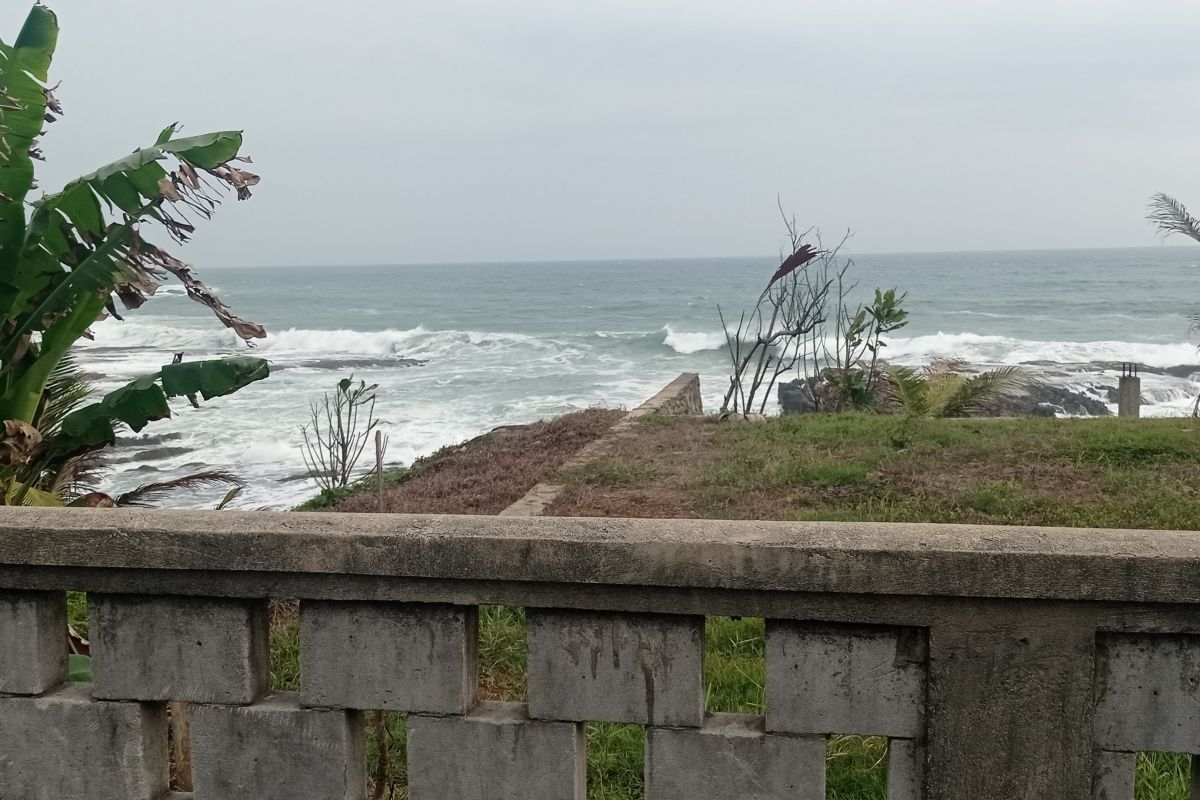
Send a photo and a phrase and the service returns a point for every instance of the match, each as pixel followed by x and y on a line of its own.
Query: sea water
pixel 459 349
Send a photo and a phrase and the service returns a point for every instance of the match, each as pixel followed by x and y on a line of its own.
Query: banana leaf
pixel 144 400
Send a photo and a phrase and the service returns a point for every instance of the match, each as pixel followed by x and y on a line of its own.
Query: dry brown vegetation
pixel 490 472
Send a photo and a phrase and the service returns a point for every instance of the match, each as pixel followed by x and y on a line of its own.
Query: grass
pixel 482 476
pixel 1107 473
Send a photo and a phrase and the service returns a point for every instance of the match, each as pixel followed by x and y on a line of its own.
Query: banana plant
pixel 68 258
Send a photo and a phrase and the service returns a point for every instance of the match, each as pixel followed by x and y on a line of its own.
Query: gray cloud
pixel 465 130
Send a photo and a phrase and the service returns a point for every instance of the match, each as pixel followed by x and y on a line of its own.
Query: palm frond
pixel 980 393
pixel 908 390
pixel 1171 216
pixel 150 493
pixel 66 390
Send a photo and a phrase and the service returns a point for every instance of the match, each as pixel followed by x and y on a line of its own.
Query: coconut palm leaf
pixel 1171 216
pixel 149 493
pixel 980 393
pixel 908 390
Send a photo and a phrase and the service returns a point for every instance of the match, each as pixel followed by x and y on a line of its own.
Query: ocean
pixel 459 349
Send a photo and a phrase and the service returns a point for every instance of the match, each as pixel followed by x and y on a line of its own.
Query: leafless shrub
pixel 339 427
pixel 775 337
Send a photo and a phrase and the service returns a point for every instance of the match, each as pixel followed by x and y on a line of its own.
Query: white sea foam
pixel 688 342
pixel 979 349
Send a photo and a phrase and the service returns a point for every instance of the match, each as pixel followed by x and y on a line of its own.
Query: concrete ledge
pixel 850 558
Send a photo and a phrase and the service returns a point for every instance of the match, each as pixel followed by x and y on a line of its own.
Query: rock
pixel 795 397
pixel 1041 400
pixel 1038 400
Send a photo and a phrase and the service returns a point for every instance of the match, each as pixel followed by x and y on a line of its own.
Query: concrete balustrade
pixel 1002 663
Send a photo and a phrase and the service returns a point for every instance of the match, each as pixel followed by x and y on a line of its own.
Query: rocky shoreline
pixel 1045 396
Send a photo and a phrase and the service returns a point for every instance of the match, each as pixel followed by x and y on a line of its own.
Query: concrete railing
pixel 1002 663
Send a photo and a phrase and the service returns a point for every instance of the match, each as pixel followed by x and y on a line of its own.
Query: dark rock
pixel 1040 400
pixel 1037 400
pixel 795 397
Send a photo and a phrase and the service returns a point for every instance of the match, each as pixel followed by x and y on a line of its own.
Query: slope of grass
pixel 1082 473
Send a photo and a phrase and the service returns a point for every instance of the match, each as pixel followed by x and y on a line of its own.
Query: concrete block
pixel 399 656
pixel 1148 693
pixel 826 679
pixel 906 770
pixel 614 667
pixel 495 753
pixel 65 746
pixel 732 758
pixel 198 649
pixel 276 750
pixel 33 641
pixel 1114 776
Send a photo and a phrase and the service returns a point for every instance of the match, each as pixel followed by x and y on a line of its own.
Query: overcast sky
pixel 459 130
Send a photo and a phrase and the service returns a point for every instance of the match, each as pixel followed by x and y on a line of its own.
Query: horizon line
pixel 540 261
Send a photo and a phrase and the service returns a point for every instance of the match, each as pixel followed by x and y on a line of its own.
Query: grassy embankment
pixel 1085 473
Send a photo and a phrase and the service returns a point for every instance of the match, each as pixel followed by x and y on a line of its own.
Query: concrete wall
pixel 1001 663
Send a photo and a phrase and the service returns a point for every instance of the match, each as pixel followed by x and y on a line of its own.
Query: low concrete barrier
pixel 1001 663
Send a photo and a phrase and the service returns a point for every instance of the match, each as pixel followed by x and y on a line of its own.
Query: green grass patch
pixel 1162 776
pixel 735 665
pixel 616 756
pixel 328 498
pixel 502 653
pixel 77 612
pixel 607 473
pixel 856 768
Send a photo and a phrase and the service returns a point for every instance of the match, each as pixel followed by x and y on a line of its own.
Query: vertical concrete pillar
pixel 1010 698
pixel 1129 392
pixel 33 641
pixel 1115 778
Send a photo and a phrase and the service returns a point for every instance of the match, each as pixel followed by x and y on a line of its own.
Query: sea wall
pixel 1001 663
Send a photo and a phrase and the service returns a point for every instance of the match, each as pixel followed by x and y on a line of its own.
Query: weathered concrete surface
pixel 33 653
pixel 495 753
pixel 275 749
pixel 1148 693
pixel 732 758
pixel 398 656
pixel 1129 396
pixel 1125 566
pixel 203 650
pixel 827 679
pixel 1009 709
pixel 680 396
pixel 1115 776
pixel 604 667
pixel 906 770
pixel 64 746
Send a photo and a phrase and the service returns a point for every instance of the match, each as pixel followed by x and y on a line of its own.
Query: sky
pixel 460 130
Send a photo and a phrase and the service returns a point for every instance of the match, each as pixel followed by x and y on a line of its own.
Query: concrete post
pixel 1129 392
pixel 1009 705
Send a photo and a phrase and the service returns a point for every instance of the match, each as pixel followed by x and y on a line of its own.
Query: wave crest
pixel 688 342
